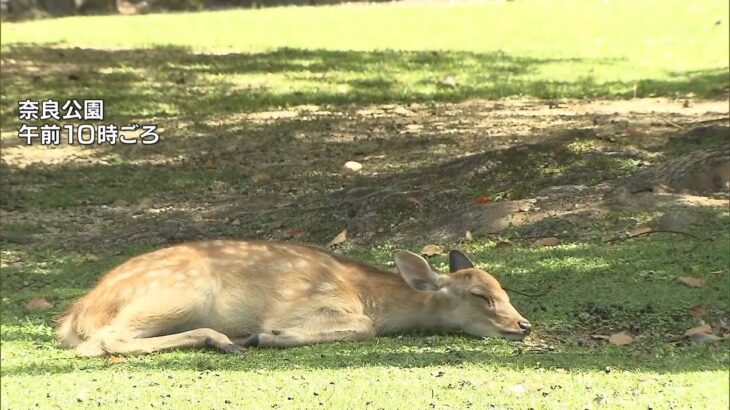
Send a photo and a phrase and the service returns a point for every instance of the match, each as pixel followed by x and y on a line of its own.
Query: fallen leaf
pixel 341 237
pixel 502 244
pixel 698 310
pixel 115 359
pixel 209 164
pixel 483 200
pixel 704 338
pixel 431 250
pixel 469 236
pixel 414 201
pixel 706 328
pixel 639 231
pixel 296 232
pixel 39 303
pixel 693 282
pixel 551 241
pixel 621 339
pixel 633 132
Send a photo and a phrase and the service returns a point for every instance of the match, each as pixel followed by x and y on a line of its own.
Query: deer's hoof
pixel 252 340
pixel 232 349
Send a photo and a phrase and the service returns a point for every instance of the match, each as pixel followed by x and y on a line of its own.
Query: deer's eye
pixel 483 297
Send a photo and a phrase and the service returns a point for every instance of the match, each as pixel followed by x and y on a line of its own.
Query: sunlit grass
pixel 655 36
pixel 421 371
pixel 248 60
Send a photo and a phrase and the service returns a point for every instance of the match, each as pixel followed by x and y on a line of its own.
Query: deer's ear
pixel 416 271
pixel 459 261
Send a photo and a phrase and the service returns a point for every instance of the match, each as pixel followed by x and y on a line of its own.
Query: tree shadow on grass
pixel 174 81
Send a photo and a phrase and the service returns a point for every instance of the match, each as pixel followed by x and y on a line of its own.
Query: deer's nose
pixel 525 326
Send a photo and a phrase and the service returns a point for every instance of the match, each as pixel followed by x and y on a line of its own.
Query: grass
pixel 599 289
pixel 226 62
pixel 260 108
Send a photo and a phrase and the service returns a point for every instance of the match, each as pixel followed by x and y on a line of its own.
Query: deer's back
pixel 231 286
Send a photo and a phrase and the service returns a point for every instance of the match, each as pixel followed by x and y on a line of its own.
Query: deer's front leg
pixel 316 330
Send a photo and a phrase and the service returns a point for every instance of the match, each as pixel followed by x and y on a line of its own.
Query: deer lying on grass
pixel 233 294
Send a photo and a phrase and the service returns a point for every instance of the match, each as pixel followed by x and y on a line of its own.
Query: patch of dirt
pixel 684 181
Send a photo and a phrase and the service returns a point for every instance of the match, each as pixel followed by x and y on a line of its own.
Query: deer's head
pixel 467 299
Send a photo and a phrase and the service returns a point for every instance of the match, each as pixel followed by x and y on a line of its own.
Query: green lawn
pixel 599 289
pixel 203 77
pixel 225 62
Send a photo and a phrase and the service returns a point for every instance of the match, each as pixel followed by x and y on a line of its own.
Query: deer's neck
pixel 394 307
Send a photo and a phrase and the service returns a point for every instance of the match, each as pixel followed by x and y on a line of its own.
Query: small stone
pixel 261 177
pixel 402 111
pixel 449 81
pixel 352 167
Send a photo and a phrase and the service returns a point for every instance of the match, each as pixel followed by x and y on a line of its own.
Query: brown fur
pixel 227 293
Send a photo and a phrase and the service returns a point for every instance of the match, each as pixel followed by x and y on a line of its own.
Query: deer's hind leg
pixel 146 328
pixel 201 337
pixel 322 326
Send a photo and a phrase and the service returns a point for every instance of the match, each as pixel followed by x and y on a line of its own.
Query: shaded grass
pixel 525 170
pixel 174 81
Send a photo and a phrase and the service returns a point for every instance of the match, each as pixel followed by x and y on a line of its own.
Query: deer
pixel 233 295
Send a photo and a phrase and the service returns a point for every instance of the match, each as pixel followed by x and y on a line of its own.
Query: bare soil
pixel 431 172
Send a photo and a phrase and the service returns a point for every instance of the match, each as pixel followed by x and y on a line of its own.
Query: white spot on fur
pixel 255 248
pixel 122 277
pixel 127 292
pixel 325 287
pixel 163 273
pixel 288 293
pixel 231 251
